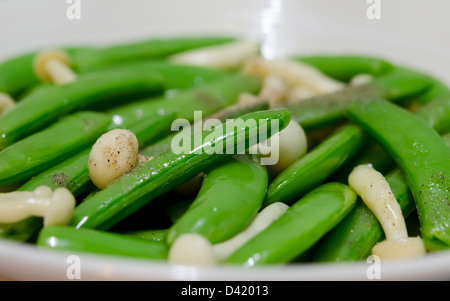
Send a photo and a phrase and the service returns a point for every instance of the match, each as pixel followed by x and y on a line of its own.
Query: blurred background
pixel 413 32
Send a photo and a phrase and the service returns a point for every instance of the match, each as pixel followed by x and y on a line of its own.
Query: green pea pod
pixel 299 228
pixel 316 166
pixel 73 173
pixel 228 200
pixel 446 138
pixel 165 172
pixel 208 99
pixel 39 151
pixel 353 238
pixel 99 242
pixel 436 113
pixel 319 112
pixel 17 74
pixel 144 50
pixel 423 157
pixel 437 88
pixel 98 88
pixel 229 112
pixel 152 235
pixel 345 67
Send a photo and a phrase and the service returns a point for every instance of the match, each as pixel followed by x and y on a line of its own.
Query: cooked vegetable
pixel 329 109
pixel 168 170
pixel 423 157
pixel 312 217
pixel 105 243
pixel 44 149
pixel 316 166
pixel 346 67
pixel 376 193
pixel 229 198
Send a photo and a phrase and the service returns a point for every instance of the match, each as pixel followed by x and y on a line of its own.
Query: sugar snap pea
pixel 303 224
pixel 345 67
pixel 316 166
pixel 229 198
pixel 208 99
pixel 437 88
pixel 353 238
pixel 73 173
pixel 100 242
pixel 229 112
pixel 39 151
pixel 153 235
pixel 423 157
pixel 125 84
pixel 150 49
pixel 436 113
pixel 17 74
pixel 169 170
pixel 319 112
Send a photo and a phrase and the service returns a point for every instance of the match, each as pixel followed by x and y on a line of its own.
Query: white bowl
pixel 413 33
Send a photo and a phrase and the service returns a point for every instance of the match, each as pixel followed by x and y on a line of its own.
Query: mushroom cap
pixel 114 154
pixel 409 247
pixel 60 209
pixel 192 249
pixel 41 60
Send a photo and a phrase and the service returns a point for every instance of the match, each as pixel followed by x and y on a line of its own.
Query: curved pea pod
pixel 354 237
pixel 422 155
pixel 316 166
pixel 99 242
pixel 73 173
pixel 165 172
pixel 435 113
pixel 228 200
pixel 39 151
pixel 208 99
pixel 17 74
pixel 229 112
pixel 319 112
pixel 152 235
pixel 345 67
pixel 436 90
pixel 96 91
pixel 44 107
pixel 150 49
pixel 299 228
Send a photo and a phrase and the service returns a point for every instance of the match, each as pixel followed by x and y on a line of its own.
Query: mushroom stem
pixel 55 207
pixel 376 193
pixel 264 218
pixel 53 65
pixel 7 103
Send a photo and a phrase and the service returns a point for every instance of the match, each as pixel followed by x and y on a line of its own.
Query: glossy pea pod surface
pixel 170 169
pixel 345 67
pixel 100 242
pixel 229 198
pixel 299 228
pixel 316 166
pixel 354 237
pixel 423 157
pixel 42 150
pixel 120 85
pixel 329 109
